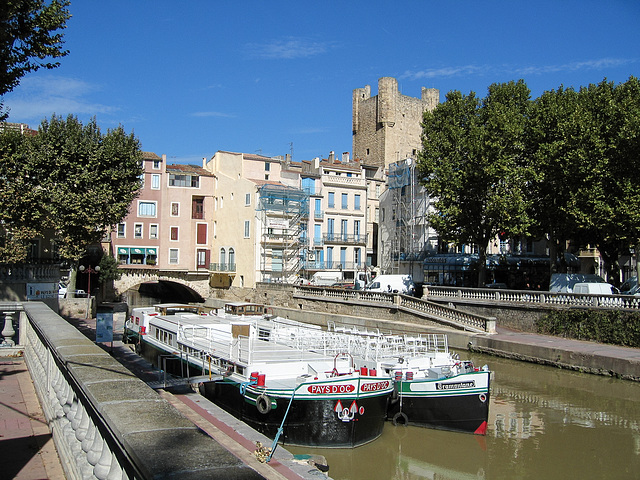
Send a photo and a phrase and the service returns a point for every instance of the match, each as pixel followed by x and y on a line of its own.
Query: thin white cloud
pixel 462 70
pixel 212 114
pixel 598 64
pixel 38 97
pixel 287 49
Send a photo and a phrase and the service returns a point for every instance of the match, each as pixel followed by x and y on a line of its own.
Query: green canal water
pixel 544 423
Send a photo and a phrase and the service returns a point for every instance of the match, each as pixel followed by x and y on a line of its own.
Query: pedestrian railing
pixel 105 422
pixel 533 297
pixel 443 314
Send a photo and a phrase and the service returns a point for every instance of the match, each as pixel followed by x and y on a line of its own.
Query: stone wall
pixel 386 127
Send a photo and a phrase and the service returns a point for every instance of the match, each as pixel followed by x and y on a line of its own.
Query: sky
pixel 271 78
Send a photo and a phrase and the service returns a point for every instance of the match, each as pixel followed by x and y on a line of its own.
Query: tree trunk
pixel 482 265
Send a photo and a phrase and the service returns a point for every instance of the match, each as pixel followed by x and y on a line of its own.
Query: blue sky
pixel 191 78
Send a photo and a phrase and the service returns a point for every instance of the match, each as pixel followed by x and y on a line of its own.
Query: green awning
pixel 151 251
pixel 123 251
pixel 137 251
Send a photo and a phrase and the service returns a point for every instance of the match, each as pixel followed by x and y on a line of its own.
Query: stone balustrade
pixel 445 315
pixel 105 422
pixel 533 297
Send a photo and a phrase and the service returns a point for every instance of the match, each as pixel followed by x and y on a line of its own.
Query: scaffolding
pixel 282 211
pixel 410 237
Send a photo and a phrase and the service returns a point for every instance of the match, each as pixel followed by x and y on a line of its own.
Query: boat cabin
pixel 244 308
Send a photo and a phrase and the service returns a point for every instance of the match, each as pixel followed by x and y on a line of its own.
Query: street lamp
pixel 89 271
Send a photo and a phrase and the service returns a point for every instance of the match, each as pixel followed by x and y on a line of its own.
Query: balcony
pixel 222 267
pixel 344 239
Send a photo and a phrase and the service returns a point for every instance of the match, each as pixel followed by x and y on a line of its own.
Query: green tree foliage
pixel 69 179
pixel 30 39
pixel 474 165
pixel 584 147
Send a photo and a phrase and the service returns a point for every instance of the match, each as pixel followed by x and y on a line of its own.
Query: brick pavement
pixel 27 451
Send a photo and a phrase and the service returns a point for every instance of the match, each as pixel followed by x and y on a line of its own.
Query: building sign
pixel 37 291
pixel 104 327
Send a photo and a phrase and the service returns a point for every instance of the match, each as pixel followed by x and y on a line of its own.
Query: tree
pixel 606 204
pixel 555 128
pixel 68 179
pixel 473 163
pixel 29 39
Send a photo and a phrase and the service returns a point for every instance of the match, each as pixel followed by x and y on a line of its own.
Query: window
pixel 377 190
pixel 318 205
pixel 356 257
pixel 146 209
pixel 174 234
pixel 156 164
pixel 137 230
pixel 332 199
pixel 155 182
pixel 356 202
pixel 223 257
pixel 247 228
pixel 356 230
pixel 175 209
pixel 329 257
pixel 153 231
pixel 266 176
pixel 247 199
pixel 202 258
pixel 377 216
pixel 345 201
pixel 197 208
pixel 232 259
pixel 182 180
pixel 122 228
pixel 267 166
pixel 330 227
pixel 201 234
pixel 173 256
pixel 344 229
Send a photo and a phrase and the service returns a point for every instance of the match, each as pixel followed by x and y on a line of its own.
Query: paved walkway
pixel 27 451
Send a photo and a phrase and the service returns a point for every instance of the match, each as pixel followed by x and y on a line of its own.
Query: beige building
pixel 335 234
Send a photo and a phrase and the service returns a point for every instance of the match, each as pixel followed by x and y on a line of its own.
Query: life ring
pixel 483 397
pixel 397 416
pixel 263 404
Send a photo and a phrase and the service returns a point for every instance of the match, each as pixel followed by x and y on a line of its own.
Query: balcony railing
pixel 343 238
pixel 222 267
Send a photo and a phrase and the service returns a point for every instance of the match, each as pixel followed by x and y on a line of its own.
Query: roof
pixel 150 156
pixel 194 169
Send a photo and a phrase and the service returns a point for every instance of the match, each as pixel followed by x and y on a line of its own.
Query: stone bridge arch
pixel 199 283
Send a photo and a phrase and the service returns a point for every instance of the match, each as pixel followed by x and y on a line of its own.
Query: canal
pixel 544 423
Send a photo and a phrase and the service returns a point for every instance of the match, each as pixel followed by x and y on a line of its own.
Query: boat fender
pixel 263 403
pixel 398 416
pixel 483 397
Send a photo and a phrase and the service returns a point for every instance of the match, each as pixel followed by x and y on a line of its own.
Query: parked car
pixel 392 284
pixel 63 292
pixel 597 288
pixel 630 286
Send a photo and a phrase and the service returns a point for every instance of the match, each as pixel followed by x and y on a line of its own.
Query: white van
pixel 392 284
pixel 597 288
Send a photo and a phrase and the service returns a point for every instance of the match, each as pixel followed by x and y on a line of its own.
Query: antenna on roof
pixel 291 146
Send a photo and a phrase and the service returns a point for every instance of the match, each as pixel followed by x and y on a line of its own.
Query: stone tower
pixel 386 128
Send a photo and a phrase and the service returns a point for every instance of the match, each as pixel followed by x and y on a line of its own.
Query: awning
pixel 137 251
pixel 151 251
pixel 123 251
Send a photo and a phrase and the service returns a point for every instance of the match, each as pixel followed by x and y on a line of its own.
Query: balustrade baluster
pixel 8 331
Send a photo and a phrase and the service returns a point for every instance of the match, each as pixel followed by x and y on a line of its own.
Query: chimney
pixel 332 156
pixel 345 157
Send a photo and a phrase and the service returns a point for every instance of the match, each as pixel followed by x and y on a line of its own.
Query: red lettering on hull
pixel 327 389
pixel 375 387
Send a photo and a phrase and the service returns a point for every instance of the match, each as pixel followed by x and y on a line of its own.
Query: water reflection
pixel 545 423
